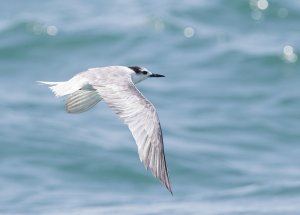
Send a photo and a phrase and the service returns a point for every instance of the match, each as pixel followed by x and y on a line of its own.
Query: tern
pixel 116 86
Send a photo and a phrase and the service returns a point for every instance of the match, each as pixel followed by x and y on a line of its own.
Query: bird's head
pixel 140 73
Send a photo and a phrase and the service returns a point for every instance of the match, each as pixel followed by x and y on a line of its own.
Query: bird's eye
pixel 145 72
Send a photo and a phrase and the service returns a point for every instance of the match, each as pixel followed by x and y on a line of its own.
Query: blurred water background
pixel 229 107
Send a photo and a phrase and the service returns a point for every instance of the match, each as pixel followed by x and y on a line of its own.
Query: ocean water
pixel 229 107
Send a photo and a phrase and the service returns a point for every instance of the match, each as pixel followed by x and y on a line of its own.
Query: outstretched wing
pixel 140 115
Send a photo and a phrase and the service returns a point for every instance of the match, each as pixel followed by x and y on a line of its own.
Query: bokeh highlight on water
pixel 229 107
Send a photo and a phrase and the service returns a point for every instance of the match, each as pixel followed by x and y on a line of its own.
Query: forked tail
pixel 79 99
pixel 59 88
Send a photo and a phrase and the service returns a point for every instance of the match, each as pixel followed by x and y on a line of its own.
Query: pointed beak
pixel 156 75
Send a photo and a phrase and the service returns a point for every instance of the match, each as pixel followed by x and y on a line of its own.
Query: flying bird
pixel 116 86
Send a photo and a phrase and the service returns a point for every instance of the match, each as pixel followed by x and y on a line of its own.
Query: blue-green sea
pixel 229 107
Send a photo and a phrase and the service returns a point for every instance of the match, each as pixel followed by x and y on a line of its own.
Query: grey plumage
pixel 115 85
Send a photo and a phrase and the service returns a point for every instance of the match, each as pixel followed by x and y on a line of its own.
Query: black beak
pixel 156 75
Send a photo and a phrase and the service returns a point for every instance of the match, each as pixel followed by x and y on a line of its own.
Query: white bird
pixel 115 85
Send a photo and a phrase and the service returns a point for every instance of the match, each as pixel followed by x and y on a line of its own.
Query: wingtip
pixel 170 190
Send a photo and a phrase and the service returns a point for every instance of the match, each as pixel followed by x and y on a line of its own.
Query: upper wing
pixel 141 117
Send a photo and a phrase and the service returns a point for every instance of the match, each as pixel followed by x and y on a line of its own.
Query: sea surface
pixel 229 107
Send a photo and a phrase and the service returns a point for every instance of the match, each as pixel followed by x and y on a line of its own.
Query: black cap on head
pixel 136 69
pixel 141 70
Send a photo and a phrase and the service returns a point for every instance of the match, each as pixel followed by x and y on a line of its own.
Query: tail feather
pixel 66 87
pixel 48 82
pixel 59 88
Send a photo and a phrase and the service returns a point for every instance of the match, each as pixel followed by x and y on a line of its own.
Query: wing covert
pixel 141 117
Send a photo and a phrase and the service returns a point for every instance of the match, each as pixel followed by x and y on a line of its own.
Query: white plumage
pixel 115 85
